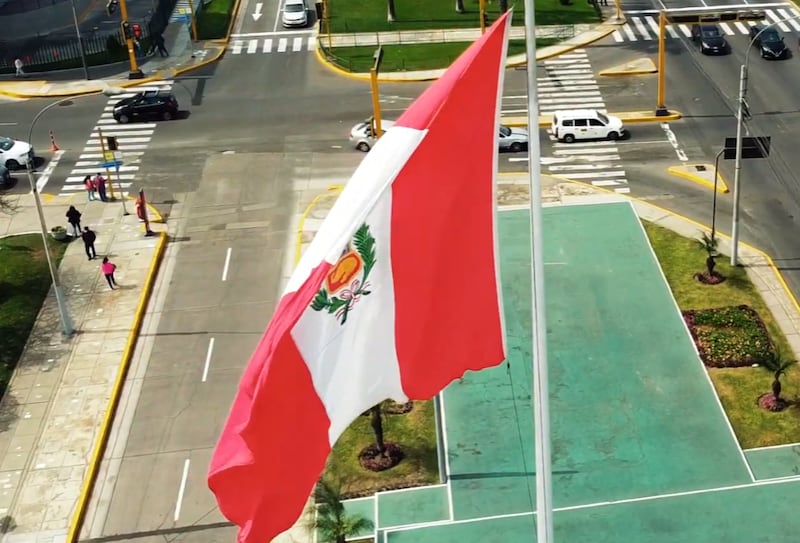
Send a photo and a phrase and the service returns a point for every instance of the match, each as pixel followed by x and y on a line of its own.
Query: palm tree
pixel 332 522
pixel 709 245
pixel 392 15
pixel 376 420
pixel 778 364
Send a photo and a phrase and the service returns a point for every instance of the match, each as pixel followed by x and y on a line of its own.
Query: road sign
pixel 111 164
pixel 184 18
pixel 108 156
pixel 751 147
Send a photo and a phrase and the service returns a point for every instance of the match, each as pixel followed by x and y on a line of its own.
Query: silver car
pixel 513 139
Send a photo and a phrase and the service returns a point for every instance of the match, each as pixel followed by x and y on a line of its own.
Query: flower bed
pixel 729 337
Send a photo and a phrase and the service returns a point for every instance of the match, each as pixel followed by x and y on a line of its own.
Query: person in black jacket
pixel 88 237
pixel 74 219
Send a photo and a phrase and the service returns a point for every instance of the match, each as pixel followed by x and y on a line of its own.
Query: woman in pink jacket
pixel 108 268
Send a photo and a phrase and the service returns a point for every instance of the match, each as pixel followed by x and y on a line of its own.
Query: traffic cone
pixel 53 146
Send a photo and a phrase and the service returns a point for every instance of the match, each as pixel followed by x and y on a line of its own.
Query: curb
pixel 722 187
pixel 628 117
pixel 612 73
pixel 333 190
pixel 402 77
pixel 116 393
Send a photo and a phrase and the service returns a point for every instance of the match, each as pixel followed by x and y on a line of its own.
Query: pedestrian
pixel 108 268
pixel 158 39
pixel 74 219
pixel 18 67
pixel 100 185
pixel 605 2
pixel 88 238
pixel 89 184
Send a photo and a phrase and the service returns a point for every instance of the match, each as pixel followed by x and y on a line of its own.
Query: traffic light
pixel 111 7
pixel 111 143
pixel 126 30
pixel 137 31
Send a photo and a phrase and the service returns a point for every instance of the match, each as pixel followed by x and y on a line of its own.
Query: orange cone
pixel 53 146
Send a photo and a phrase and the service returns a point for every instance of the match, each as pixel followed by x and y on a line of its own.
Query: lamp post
pixel 737 168
pixel 80 42
pixel 66 321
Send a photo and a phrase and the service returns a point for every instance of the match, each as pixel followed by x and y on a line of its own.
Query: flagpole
pixel 541 410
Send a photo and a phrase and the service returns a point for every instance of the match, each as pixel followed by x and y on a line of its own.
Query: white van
pixel 586 124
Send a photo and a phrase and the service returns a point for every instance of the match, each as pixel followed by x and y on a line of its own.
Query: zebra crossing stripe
pixel 252 46
pixel 282 45
pixel 267 45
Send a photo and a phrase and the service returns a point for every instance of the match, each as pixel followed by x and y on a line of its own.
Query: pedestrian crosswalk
pixel 183 10
pixel 273 44
pixel 568 82
pixel 644 27
pixel 132 139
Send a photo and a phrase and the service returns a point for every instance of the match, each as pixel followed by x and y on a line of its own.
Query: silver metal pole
pixel 737 168
pixel 440 452
pixel 541 399
pixel 66 322
pixel 80 41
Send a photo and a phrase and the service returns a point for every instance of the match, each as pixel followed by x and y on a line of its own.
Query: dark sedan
pixel 147 105
pixel 769 42
pixel 710 39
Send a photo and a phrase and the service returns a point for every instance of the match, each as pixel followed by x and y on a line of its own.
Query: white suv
pixel 586 124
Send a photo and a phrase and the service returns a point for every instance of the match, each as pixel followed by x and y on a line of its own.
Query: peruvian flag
pixel 397 296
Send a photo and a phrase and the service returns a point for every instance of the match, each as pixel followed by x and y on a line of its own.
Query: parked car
pixel 710 39
pixel 147 105
pixel 14 154
pixel 586 124
pixel 513 139
pixel 294 13
pixel 5 177
pixel 769 42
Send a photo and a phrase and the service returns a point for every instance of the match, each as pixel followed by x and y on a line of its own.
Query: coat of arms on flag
pixel 347 281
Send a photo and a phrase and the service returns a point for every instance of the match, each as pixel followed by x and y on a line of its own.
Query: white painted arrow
pixel 257 13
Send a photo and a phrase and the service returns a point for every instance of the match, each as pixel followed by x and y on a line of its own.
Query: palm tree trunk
pixel 392 16
pixel 460 6
pixel 776 388
pixel 377 427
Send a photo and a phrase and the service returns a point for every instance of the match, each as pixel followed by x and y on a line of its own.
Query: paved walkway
pixel 54 408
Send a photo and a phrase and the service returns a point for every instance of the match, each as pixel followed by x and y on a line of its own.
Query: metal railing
pixel 61 50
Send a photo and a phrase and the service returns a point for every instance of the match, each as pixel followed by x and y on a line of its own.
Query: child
pixel 88 182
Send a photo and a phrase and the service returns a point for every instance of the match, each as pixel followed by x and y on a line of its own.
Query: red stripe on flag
pixel 275 442
pixel 447 312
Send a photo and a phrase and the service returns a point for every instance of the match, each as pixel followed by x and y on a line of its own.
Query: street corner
pixel 21 90
pixel 640 66
pixel 322 58
pixel 209 53
pixel 701 174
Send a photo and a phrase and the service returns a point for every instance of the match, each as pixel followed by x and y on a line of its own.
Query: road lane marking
pixel 252 46
pixel 267 45
pixel 282 45
pixel 263 34
pixel 237 47
pixel 227 265
pixel 48 171
pixel 297 44
pixel 208 359
pixel 182 489
pixel 673 140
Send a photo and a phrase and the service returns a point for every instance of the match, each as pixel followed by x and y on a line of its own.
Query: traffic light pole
pixel 136 72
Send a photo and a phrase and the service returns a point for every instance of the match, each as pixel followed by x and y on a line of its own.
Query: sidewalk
pixel 57 403
pixel 185 56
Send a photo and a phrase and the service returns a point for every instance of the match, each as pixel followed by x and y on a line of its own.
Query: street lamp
pixel 80 42
pixel 714 200
pixel 66 322
pixel 737 167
